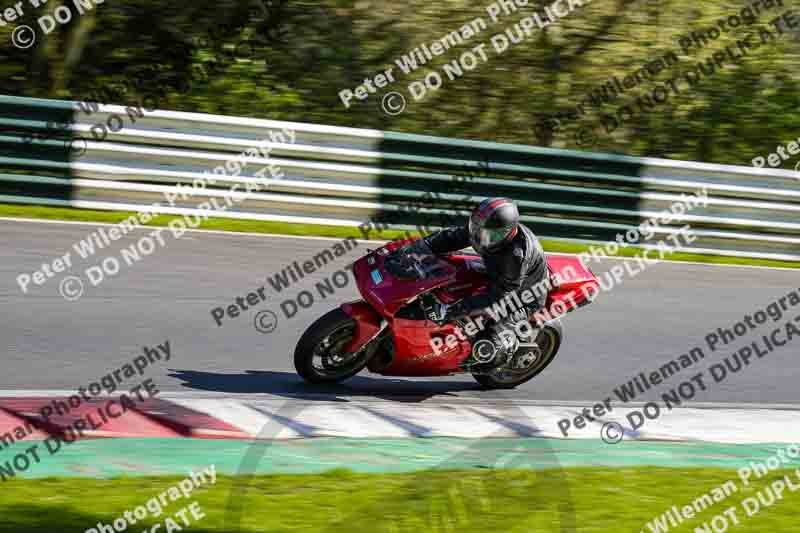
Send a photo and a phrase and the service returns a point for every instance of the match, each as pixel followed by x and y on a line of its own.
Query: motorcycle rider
pixel 513 258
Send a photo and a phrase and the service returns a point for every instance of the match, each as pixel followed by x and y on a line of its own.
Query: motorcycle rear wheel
pixel 549 341
pixel 318 357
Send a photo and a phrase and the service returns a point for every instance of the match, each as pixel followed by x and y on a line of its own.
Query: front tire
pixel 549 340
pixel 318 357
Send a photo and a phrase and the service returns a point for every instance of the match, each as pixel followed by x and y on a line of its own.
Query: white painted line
pixel 440 421
pixel 733 426
pixel 290 419
pixel 229 411
pixel 272 426
pixel 337 420
pixel 481 398
pixel 337 239
pixel 188 230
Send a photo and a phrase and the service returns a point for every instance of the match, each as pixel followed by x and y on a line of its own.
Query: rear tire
pixel 316 357
pixel 549 339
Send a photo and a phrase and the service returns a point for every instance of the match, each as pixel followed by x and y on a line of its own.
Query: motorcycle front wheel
pixel 318 357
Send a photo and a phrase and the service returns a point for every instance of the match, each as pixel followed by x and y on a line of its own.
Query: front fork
pixel 369 325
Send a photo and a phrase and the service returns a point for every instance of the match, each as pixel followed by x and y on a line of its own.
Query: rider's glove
pixel 441 314
pixel 437 313
pixel 420 246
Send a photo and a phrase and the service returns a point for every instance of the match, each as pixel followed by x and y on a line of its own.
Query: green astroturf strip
pixel 103 458
pixel 454 491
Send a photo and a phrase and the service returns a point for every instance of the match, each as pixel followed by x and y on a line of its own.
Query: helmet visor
pixel 486 238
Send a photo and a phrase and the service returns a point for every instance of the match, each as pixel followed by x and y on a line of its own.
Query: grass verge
pixel 286 228
pixel 586 499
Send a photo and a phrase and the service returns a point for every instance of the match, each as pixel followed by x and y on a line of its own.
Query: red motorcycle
pixel 389 331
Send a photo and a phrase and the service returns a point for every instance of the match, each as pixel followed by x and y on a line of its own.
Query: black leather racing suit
pixel 518 265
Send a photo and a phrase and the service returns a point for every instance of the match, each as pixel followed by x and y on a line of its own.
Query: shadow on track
pixel 291 385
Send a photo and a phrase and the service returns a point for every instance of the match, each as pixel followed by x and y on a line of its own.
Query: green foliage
pixel 298 55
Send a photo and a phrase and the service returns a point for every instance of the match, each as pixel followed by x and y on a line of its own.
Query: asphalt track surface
pixel 50 343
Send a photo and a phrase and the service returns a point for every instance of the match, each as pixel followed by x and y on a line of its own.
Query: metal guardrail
pixel 345 176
